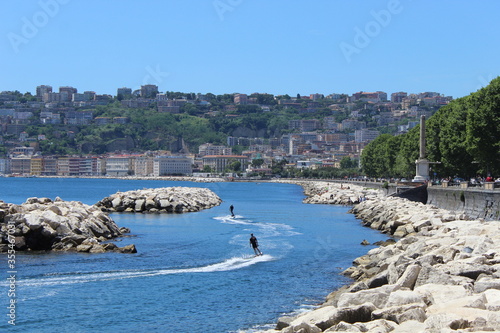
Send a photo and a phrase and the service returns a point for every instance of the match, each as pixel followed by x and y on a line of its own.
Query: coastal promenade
pixel 441 273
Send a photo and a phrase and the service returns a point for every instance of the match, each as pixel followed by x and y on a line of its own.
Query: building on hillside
pixel 307 125
pixel 47 117
pixel 120 120
pixel 240 99
pixel 365 135
pixel 149 91
pixel 218 163
pixel 21 151
pixel 6 114
pixel 330 123
pixel 102 120
pixel 398 97
pixel 78 97
pixel 210 149
pixel 161 97
pixel 41 90
pixel 78 117
pixel 169 109
pixel 353 124
pixel 294 124
pixel 124 92
pixel 66 93
pixel 378 96
pixel 137 103
pixel 173 165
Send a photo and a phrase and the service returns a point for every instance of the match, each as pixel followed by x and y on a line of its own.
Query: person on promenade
pixel 255 245
pixel 231 208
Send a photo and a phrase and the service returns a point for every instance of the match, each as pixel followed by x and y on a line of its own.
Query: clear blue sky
pixel 246 46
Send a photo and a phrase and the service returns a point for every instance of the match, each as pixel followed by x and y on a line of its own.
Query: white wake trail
pixel 73 278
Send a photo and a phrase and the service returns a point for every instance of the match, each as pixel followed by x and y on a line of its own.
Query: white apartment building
pixel 144 166
pixel 173 165
pixel 210 149
pixel 119 166
pixel 365 135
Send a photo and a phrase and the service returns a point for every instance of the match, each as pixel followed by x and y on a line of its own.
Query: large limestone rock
pixel 41 224
pixel 161 200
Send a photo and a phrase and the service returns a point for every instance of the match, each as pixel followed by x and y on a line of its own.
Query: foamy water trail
pixel 271 229
pixel 72 278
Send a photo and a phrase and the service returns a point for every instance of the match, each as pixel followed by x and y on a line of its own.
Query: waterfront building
pixel 21 165
pixel 49 166
pixel 173 165
pixel 36 166
pixel 144 166
pixel 5 166
pixel 218 163
pixel 63 166
pixel 119 166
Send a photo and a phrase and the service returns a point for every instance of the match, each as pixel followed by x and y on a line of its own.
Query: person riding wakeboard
pixel 255 245
pixel 231 210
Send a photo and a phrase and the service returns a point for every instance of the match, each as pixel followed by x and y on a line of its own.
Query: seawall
pixel 475 202
pixel 481 202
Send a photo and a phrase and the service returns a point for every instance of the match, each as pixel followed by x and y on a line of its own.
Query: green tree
pixel 347 163
pixel 233 166
pixel 257 162
pixel 482 138
pixel 377 157
pixel 408 153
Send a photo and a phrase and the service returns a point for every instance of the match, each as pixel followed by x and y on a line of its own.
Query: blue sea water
pixel 193 272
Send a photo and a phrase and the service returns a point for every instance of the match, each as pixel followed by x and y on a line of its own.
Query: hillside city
pixel 322 131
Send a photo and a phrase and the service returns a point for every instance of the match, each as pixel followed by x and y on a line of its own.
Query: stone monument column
pixel 422 164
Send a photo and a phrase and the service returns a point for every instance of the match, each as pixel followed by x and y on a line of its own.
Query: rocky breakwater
pixel 161 200
pixel 320 192
pixel 443 275
pixel 41 224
